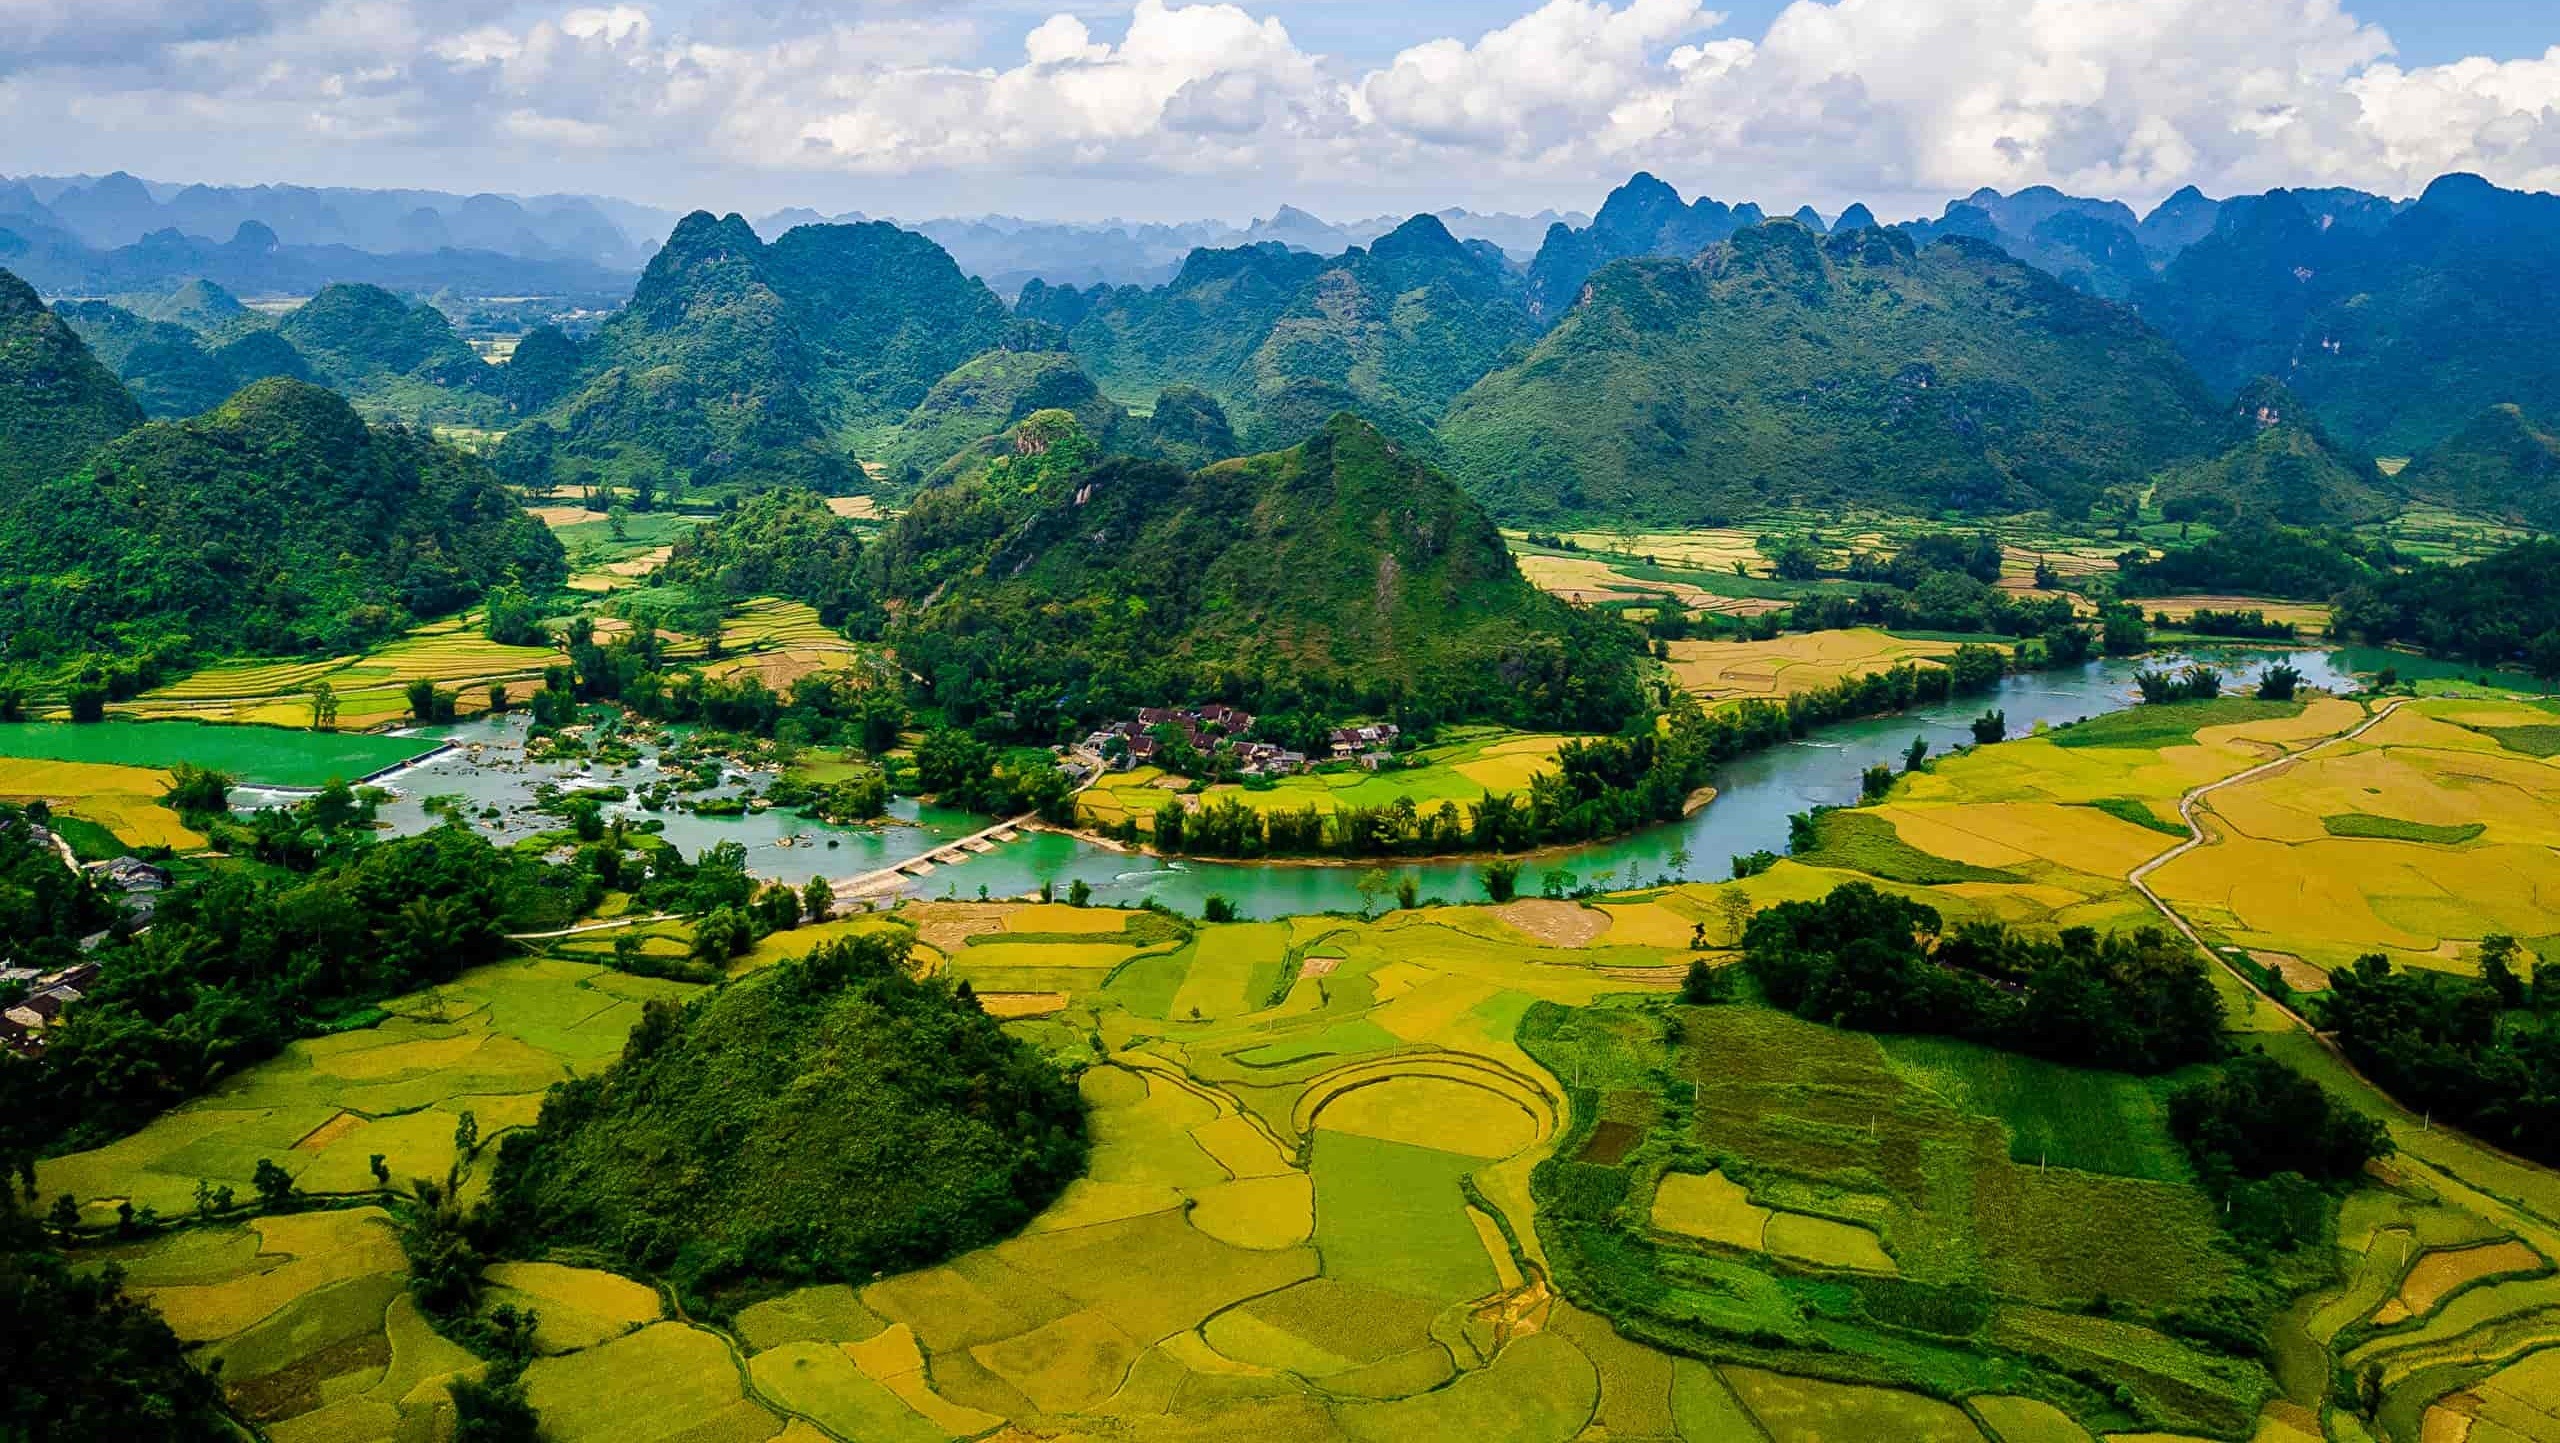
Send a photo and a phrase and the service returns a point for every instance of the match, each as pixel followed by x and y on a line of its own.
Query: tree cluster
pixel 1864 958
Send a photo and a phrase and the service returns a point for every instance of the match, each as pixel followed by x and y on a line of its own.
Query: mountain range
pixel 1671 360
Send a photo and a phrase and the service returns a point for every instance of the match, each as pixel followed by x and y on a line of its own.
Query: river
pixel 1754 797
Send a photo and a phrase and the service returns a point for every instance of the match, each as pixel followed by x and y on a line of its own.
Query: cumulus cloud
pixel 1835 100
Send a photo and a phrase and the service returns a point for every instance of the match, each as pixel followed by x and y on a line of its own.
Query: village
pixel 38 995
pixel 1192 740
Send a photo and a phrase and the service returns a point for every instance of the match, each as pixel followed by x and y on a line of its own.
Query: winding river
pixel 1755 796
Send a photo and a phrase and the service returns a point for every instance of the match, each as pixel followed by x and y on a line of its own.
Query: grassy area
pixel 2396 829
pixel 2170 723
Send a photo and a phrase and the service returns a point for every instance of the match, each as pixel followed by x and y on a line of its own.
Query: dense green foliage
pixel 783 542
pixel 991 393
pixel 2501 609
pixel 1188 428
pixel 2457 1048
pixel 2276 463
pixel 1868 959
pixel 739 361
pixel 87 1361
pixel 2501 463
pixel 2255 559
pixel 246 960
pixel 277 524
pixel 167 367
pixel 1784 368
pixel 821 1121
pixel 1390 333
pixel 57 402
pixel 2396 325
pixel 45 907
pixel 2269 1141
pixel 1342 576
pixel 397 360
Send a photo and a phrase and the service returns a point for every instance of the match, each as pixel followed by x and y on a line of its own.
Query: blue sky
pixel 1175 109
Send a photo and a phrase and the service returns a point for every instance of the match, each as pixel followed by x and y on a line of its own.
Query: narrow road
pixel 2189 808
pixel 585 927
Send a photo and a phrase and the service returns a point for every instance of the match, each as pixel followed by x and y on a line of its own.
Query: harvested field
pixel 1737 670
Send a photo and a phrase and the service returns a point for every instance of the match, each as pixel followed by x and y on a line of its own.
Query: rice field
pixel 1311 1209
pixel 1741 670
pixel 263 755
pixel 124 800
pixel 1459 771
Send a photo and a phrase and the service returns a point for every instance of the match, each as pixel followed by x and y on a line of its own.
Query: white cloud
pixel 1898 101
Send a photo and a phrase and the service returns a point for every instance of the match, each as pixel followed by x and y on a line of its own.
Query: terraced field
pixel 1359 1179
pixel 371 689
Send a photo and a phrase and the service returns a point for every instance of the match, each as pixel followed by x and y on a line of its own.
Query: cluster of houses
pixel 23 1023
pixel 1124 746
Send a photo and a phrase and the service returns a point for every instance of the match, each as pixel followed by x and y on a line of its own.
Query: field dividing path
pixel 2189 808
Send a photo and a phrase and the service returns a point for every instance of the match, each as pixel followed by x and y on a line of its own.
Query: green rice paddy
pixel 266 756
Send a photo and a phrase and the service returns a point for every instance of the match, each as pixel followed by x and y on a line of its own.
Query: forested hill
pixel 2277 463
pixel 1782 367
pixel 278 523
pixel 1284 340
pixel 1340 575
pixel 737 359
pixel 57 403
pixel 2502 463
pixel 2398 325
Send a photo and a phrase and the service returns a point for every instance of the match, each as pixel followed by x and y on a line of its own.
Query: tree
pixel 1873 785
pixel 274 1186
pixel 1079 893
pixel 818 899
pixel 1734 905
pixel 1915 754
pixel 1217 909
pixel 1703 984
pixel 1372 884
pixel 2498 971
pixel 65 1217
pixel 381 1172
pixel 1990 727
pixel 324 707
pixel 2278 682
pixel 1501 878
pixel 1408 893
pixel 197 791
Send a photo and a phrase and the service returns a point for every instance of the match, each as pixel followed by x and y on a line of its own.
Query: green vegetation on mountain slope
pixel 395 360
pixel 2501 463
pixel 2277 463
pixel 738 360
pixel 57 403
pixel 278 523
pixel 1285 340
pixel 1784 368
pixel 172 370
pixel 783 542
pixel 1032 371
pixel 820 1122
pixel 1342 575
pixel 2397 325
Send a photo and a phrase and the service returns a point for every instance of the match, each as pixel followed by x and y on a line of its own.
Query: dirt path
pixel 2190 805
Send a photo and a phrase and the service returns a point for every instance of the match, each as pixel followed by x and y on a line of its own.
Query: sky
pixel 1168 109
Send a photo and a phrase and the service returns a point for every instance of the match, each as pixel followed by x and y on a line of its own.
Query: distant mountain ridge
pixel 1780 367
